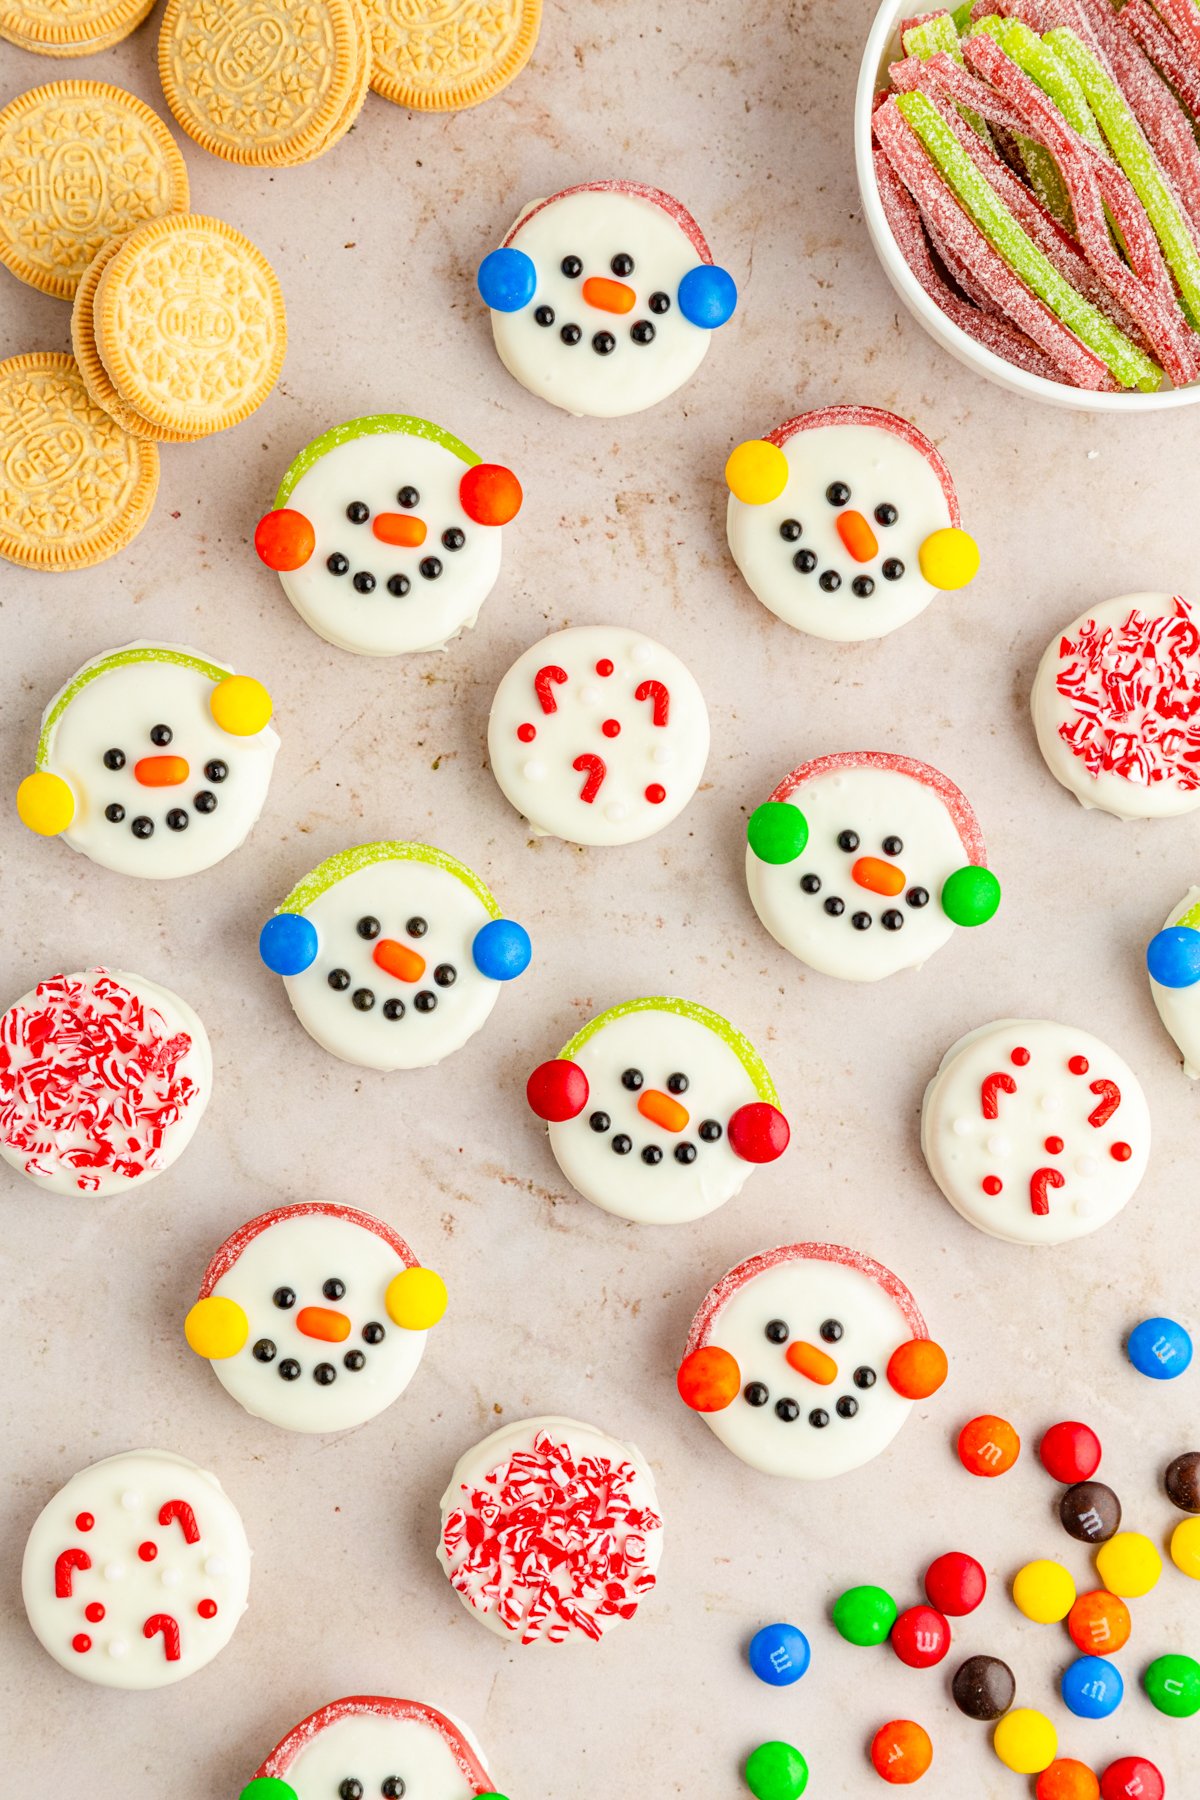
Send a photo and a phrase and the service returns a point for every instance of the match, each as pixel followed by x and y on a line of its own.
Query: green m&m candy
pixel 970 896
pixel 1172 1683
pixel 864 1615
pixel 776 1771
pixel 777 831
pixel 268 1787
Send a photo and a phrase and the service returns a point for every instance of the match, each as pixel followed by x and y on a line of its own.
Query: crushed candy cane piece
pixel 1136 697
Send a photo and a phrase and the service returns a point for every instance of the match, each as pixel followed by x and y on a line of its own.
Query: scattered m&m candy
pixel 776 1771
pixel 1025 1741
pixel 1182 1481
pixel 901 1752
pixel 1159 1348
pixel 1185 1547
pixel 1132 1778
pixel 1090 1512
pixel 920 1637
pixel 1066 1779
pixel 983 1687
pixel 1044 1592
pixel 1070 1451
pixel 864 1615
pixel 1099 1623
pixel 988 1445
pixel 955 1584
pixel 1172 1684
pixel 779 1654
pixel 1092 1688
pixel 1128 1564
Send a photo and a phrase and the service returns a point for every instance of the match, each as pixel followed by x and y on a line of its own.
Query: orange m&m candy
pixel 1099 1623
pixel 901 1752
pixel 284 539
pixel 988 1445
pixel 917 1369
pixel 1067 1779
pixel 490 494
pixel 708 1379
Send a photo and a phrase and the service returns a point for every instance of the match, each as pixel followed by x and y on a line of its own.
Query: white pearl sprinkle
pixel 170 1577
pixel 215 1565
pixel 961 1127
pixel 589 696
pixel 998 1144
pixel 1086 1205
pixel 534 771
pixel 114 1571
pixel 131 1500
pixel 663 755
pixel 616 811
pixel 641 653
pixel 1051 1103
pixel 118 1648
pixel 1086 1165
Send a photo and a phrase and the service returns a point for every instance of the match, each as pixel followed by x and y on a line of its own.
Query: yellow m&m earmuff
pixel 240 705
pixel 45 803
pixel 949 558
pixel 756 472
pixel 416 1299
pixel 216 1328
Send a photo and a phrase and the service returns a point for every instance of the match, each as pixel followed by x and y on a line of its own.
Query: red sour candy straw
pixel 1183 17
pixel 1082 367
pixel 1165 51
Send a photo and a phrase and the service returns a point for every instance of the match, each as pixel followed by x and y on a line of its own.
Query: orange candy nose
pixel 662 1110
pixel 806 1359
pixel 608 296
pixel 399 960
pixel 881 877
pixel 857 536
pixel 399 528
pixel 161 771
pixel 322 1322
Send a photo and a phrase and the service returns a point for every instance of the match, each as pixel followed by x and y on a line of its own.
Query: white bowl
pixel 883 48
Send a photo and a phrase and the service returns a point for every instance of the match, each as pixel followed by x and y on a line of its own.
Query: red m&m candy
pixel 1132 1778
pixel 1070 1452
pixel 920 1637
pixel 955 1584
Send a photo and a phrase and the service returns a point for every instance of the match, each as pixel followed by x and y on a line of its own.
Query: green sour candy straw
pixel 1040 62
pixel 1135 156
pixel 940 32
pixel 1118 353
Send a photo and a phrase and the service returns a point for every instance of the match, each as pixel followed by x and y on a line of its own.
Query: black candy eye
pixel 416 927
pixel 161 735
pixel 453 538
pixel 284 1298
pixel 893 569
pixel 367 927
pixel 832 1330
pixel 777 1332
pixel 864 1377
pixel 544 315
pixel 660 302
pixel 755 1393
pixel 350 1789
pixel 430 567
pixel 837 493
pixel 216 770
pixel 571 267
pixel 810 884
pixel 445 974
pixel 114 759
pixel 333 1289
pixel 787 1410
pixel 847 840
pixel 358 512
pixel 632 1079
pixel 677 1084
pixel 886 514
pixel 622 263
pixel 337 564
pixel 339 980
pixel 393 1788
pixel 398 585
pixel 790 530
pixel 599 1121
pixel 408 497
pixel 710 1131
pixel 893 846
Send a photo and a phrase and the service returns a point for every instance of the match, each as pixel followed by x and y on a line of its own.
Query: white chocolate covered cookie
pixel 314 1316
pixel 104 1077
pixel 805 1361
pixel 862 864
pixel 604 297
pixel 1036 1132
pixel 845 522
pixel 152 760
pixel 550 1530
pixel 137 1572
pixel 1115 707
pixel 1173 960
pixel 378 1748
pixel 598 735
pixel 658 1110
pixel 392 954
pixel 386 534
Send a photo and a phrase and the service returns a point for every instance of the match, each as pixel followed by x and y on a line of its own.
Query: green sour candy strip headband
pixel 374 425
pixel 741 1046
pixel 152 653
pixel 364 856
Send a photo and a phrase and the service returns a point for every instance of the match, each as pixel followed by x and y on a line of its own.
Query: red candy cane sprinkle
pixel 990 1089
pixel 1108 1095
pixel 544 683
pixel 179 1512
pixel 169 1627
pixel 65 1566
pixel 1040 1183
pixel 88 1081
pixel 593 767
pixel 659 698
pixel 552 1544
pixel 1135 692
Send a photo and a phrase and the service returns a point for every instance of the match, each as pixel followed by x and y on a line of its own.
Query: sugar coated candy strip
pixel 1164 49
pixel 1130 366
pixel 1039 61
pixel 925 37
pixel 1183 17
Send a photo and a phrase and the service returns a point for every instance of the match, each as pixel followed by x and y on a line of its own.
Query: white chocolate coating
pixel 301 1250
pixel 124 1496
pixel 974 1129
pixel 1120 789
pixel 538 776
pixel 373 468
pixel 596 227
pixel 879 468
pixel 116 711
pixel 1179 1008
pixel 64 1161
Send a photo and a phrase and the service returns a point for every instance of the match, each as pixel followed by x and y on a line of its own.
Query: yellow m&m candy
pixel 216 1328
pixel 1044 1592
pixel 1128 1564
pixel 45 803
pixel 240 705
pixel 1025 1741
pixel 1185 1547
pixel 949 558
pixel 757 472
pixel 416 1299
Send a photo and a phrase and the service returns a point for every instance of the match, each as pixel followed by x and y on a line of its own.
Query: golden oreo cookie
pixel 190 323
pixel 442 55
pixel 74 487
pixel 70 27
pixel 79 161
pixel 96 378
pixel 262 82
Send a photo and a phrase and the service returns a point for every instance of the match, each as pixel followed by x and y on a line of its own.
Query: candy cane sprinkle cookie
pixel 96 378
pixel 1173 961
pixel 70 27
pixel 845 522
pixel 442 55
pixel 658 1110
pixel 1035 1132
pixel 550 1531
pixel 80 161
pixel 153 761
pixel 74 487
pixel 1115 707
pixel 104 1077
pixel 379 1748
pixel 598 735
pixel 604 298
pixel 189 320
pixel 861 864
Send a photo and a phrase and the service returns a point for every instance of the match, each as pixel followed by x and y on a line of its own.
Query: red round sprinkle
pixel 604 666
pixel 611 728
pixel 94 1612
pixel 147 1551
pixel 1054 1145
pixel 207 1609
pixel 992 1184
pixel 1070 1452
pixel 84 1521
pixel 81 1642
pixel 527 733
pixel 955 1583
pixel 1120 1152
pixel 1078 1065
pixel 656 794
pixel 920 1637
pixel 1020 1056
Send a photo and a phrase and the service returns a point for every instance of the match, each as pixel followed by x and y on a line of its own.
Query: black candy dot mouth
pixel 787 1409
pixel 364 581
pixel 859 917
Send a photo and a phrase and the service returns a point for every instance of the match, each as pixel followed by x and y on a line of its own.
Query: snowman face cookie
pixel 1038 1133
pixel 378 1748
pixel 1173 960
pixel 604 298
pixel 104 1077
pixel 805 1361
pixel 862 864
pixel 153 761
pixel 314 1316
pixel 137 1572
pixel 845 522
pixel 1114 707
pixel 392 954
pixel 598 735
pixel 658 1110
pixel 386 534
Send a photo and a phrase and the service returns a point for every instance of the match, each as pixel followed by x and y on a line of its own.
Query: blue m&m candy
pixel 1092 1687
pixel 779 1654
pixel 1159 1348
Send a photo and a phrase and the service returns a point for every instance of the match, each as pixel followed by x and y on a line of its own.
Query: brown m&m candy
pixel 983 1687
pixel 1182 1482
pixel 1090 1511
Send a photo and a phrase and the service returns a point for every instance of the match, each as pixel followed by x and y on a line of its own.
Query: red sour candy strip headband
pixel 229 1252
pixel 876 419
pixel 952 798
pixel 378 1707
pixel 636 190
